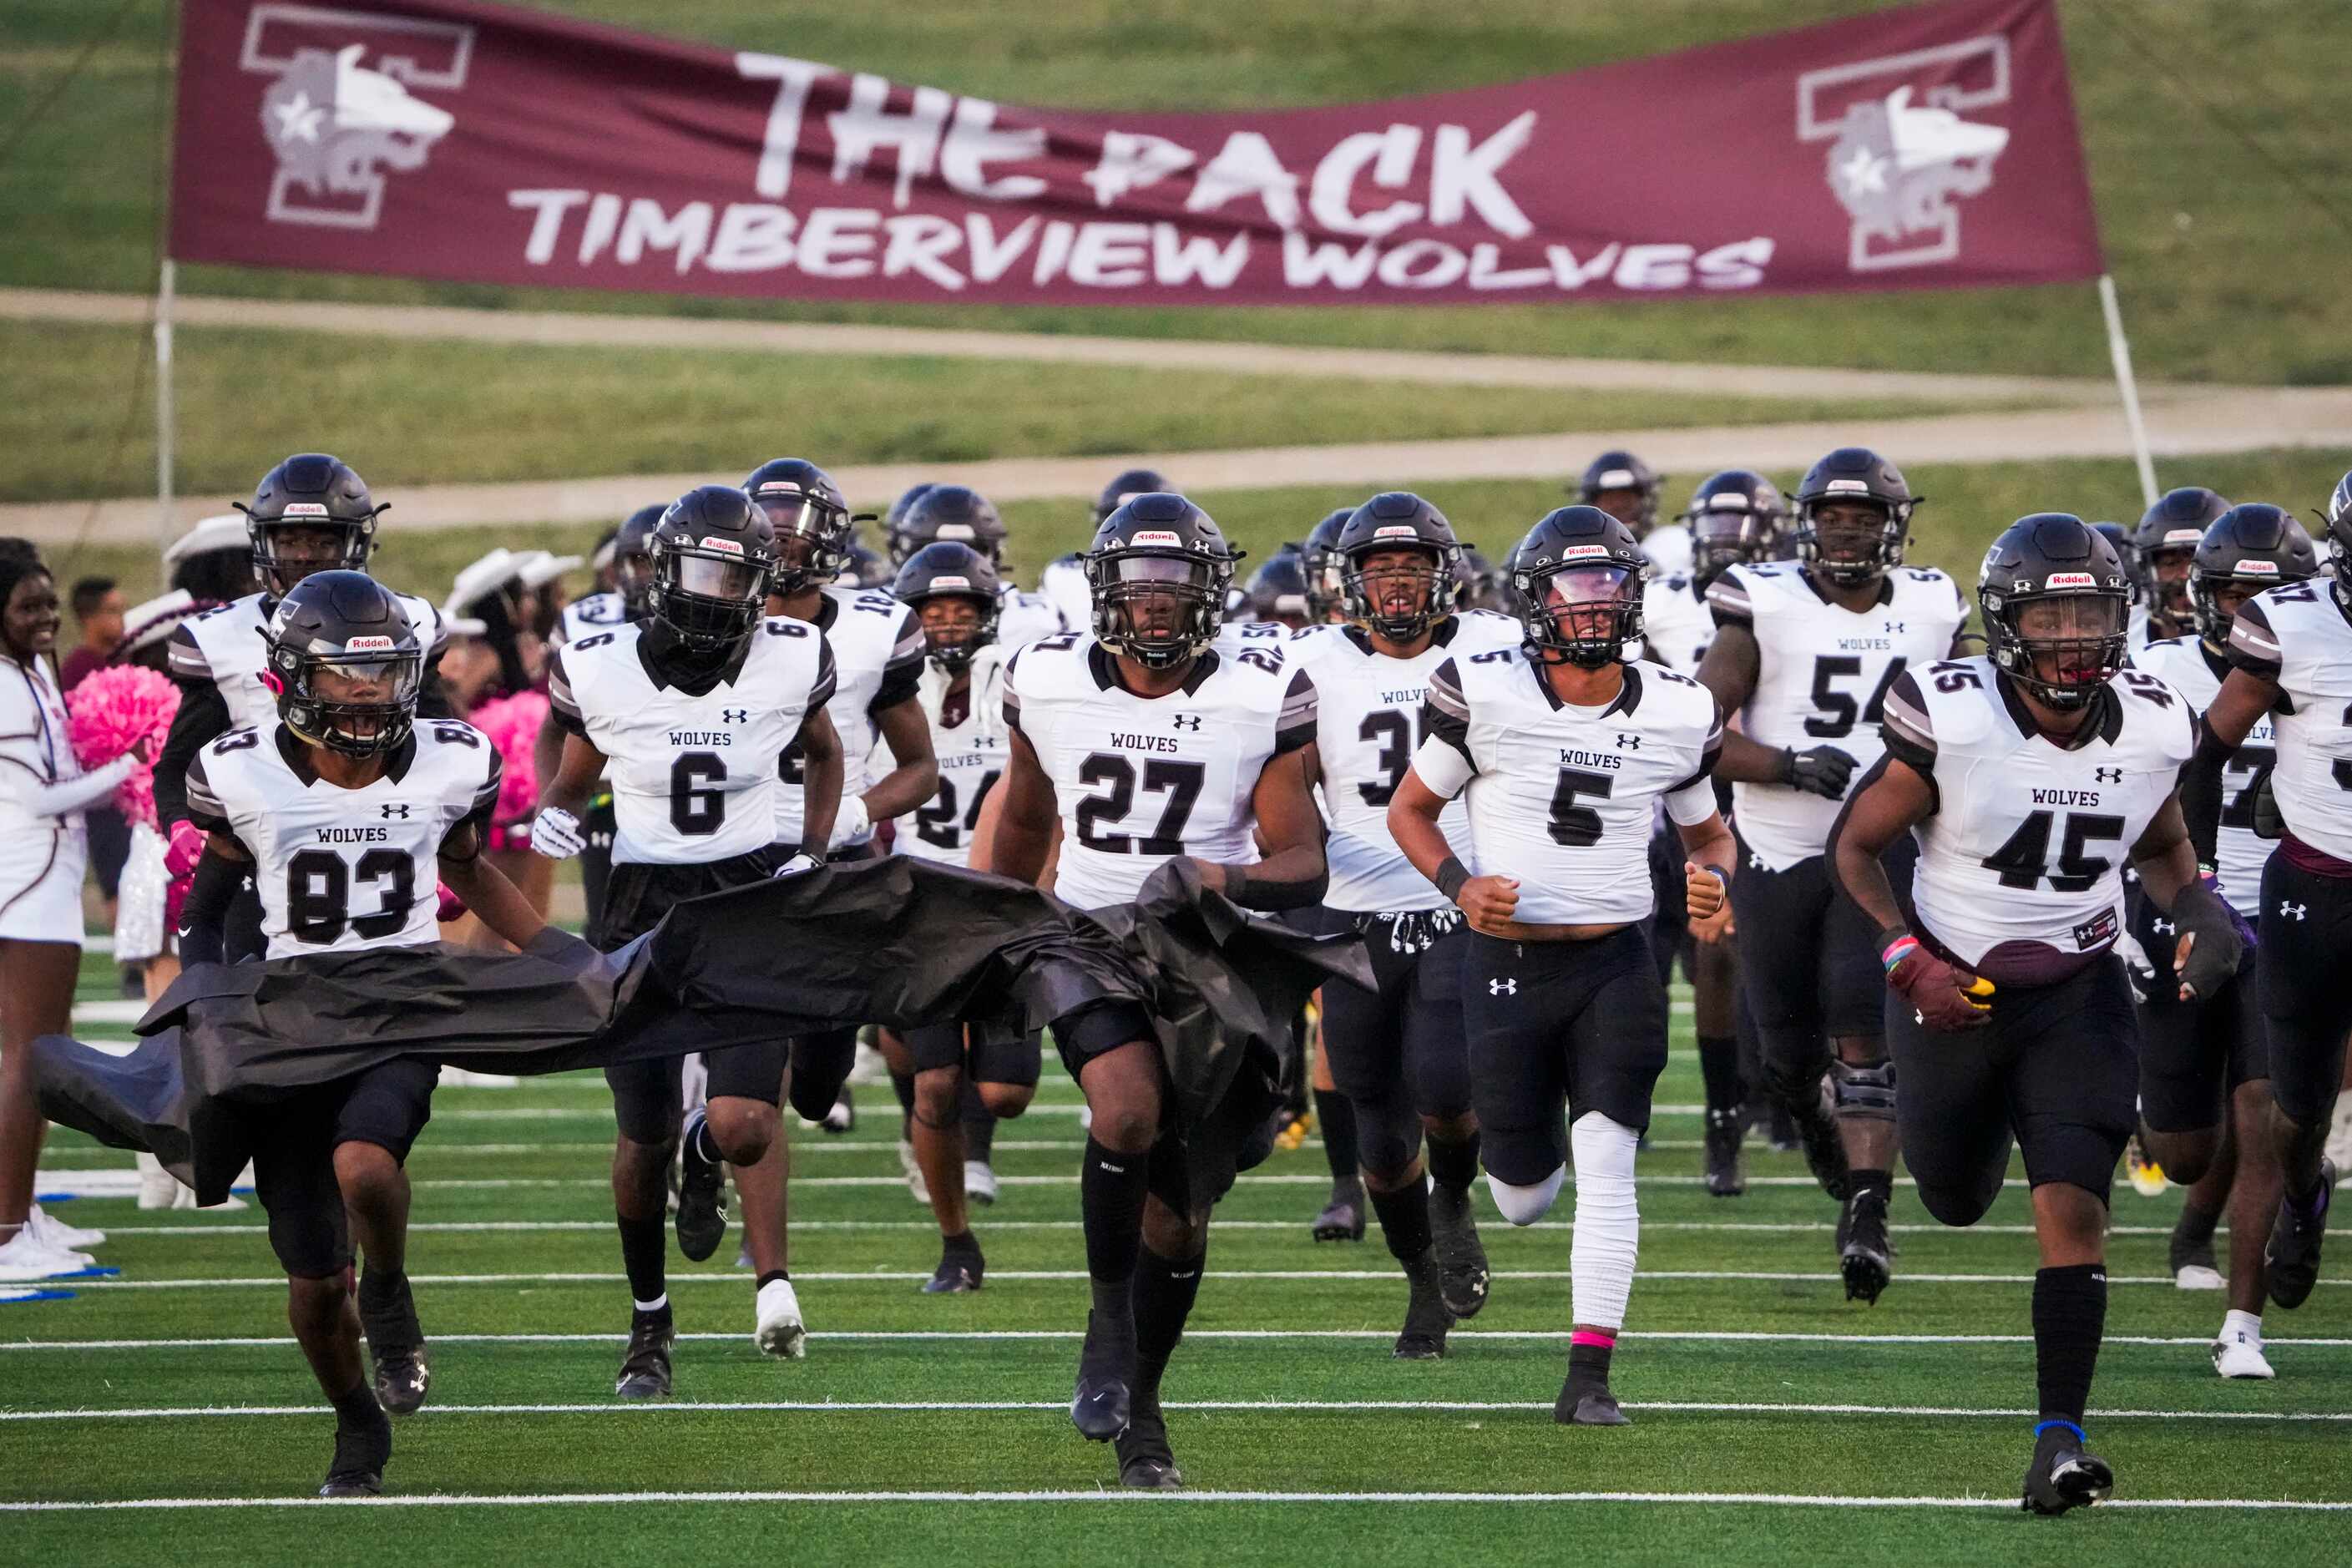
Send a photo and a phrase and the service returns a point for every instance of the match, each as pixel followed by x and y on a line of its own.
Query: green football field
pixel 1772 1419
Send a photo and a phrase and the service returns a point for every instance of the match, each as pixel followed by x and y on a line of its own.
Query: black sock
pixel 979 1123
pixel 1165 1289
pixel 1404 1219
pixel 1336 1113
pixel 1587 1366
pixel 2195 1225
pixel 962 1241
pixel 2070 1314
pixel 356 1409
pixel 903 1086
pixel 380 1290
pixel 1454 1165
pixel 1718 1064
pixel 1111 1187
pixel 645 1257
pixel 762 1283
pixel 1882 1182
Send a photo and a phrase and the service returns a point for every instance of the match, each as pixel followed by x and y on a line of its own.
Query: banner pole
pixel 165 290
pixel 2119 351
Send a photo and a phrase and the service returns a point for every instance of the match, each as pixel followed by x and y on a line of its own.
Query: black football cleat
pixel 960 1269
pixel 396 1348
pixel 1817 1135
pixel 1862 1251
pixel 1342 1218
pixel 361 1456
pixel 1726 1172
pixel 2291 1256
pixel 1146 1462
pixel 1102 1406
pixel 644 1365
pixel 701 1193
pixel 1462 1272
pixel 2064 1474
pixel 1427 1317
pixel 1588 1407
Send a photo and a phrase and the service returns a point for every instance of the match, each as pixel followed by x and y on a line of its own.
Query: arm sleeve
pixel 1446 721
pixel 204 919
pixel 1728 602
pixel 560 703
pixel 904 671
pixel 2200 788
pixel 202 718
pixel 1296 726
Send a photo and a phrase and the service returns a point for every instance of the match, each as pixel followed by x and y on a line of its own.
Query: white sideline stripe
pixel 885 1335
pixel 576 1499
pixel 1315 1179
pixel 1788 1228
pixel 605 1109
pixel 611 1408
pixel 853 1276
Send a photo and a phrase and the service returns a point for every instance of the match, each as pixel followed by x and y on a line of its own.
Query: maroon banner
pixel 1933 146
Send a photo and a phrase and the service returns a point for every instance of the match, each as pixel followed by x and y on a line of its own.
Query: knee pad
pixel 1796 1085
pixel 1867 1091
pixel 1388 1135
pixel 1525 1205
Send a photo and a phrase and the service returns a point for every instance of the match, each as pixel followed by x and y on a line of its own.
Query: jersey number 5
pixel 1573 826
pixel 1837 708
pixel 1180 781
pixel 2024 859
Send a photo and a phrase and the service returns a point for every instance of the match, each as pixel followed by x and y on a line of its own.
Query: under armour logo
pixel 1503 987
pixel 395 810
pixel 2165 928
pixel 1754 861
pixel 1187 721
pixel 734 715
pixel 2109 775
pixel 1628 742
pixel 2295 912
pixel 1895 627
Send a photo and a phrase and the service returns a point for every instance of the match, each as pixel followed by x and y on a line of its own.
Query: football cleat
pixel 1862 1251
pixel 842 1115
pixel 979 1182
pixel 64 1237
pixel 2064 1474
pixel 2291 1256
pixel 1427 1318
pixel 1726 1172
pixel 357 1468
pixel 1146 1463
pixel 1591 1407
pixel 1293 1137
pixel 158 1188
pixel 1817 1134
pixel 779 1332
pixel 2147 1177
pixel 960 1268
pixel 1342 1218
pixel 644 1365
pixel 25 1258
pixel 2194 1266
pixel 701 1192
pixel 1102 1406
pixel 1462 1272
pixel 396 1347
pixel 2240 1355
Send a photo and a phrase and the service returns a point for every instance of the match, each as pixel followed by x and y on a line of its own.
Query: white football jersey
pixel 877 657
pixel 2026 849
pixel 587 616
pixel 972 753
pixel 1667 548
pixel 2196 673
pixel 1063 584
pixel 1822 675
pixel 342 870
pixel 694 779
pixel 1563 798
pixel 1370 721
pixel 2298 636
pixel 1234 636
pixel 1676 625
pixel 1022 619
pixel 1141 780
pixel 228 645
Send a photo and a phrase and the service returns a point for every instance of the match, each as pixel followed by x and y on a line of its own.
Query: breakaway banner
pixel 1928 147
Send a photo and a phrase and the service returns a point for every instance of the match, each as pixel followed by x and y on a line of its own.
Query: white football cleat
pixel 2240 1355
pixel 60 1236
pixel 781 1333
pixel 2339 1132
pixel 918 1188
pixel 27 1260
pixel 2198 1277
pixel 979 1181
pixel 461 1077
pixel 158 1188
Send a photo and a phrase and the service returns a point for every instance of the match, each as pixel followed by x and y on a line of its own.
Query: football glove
pixel 1947 999
pixel 1823 770
pixel 803 862
pixel 2215 937
pixel 555 833
pixel 850 822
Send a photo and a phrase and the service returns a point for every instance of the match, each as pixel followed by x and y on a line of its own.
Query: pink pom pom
pixel 114 709
pixel 512 724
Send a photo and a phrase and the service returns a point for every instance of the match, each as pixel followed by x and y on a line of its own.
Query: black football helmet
pixel 2338 536
pixel 952 512
pixel 2117 534
pixel 1319 557
pixel 2055 556
pixel 1619 470
pixel 1576 583
pixel 713 553
pixel 1736 516
pixel 863 568
pixel 346 664
pixel 633 566
pixel 1152 547
pixel 802 503
pixel 313 492
pixel 948 568
pixel 2167 536
pixel 1126 488
pixel 1854 474
pixel 2250 547
pixel 1401 607
pixel 1478 584
pixel 897 512
pixel 1276 591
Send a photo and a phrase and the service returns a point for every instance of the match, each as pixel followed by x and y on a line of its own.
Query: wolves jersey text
pixel 2297 635
pixel 1141 780
pixel 2021 868
pixel 2197 674
pixel 694 779
pixel 340 869
pixel 1563 798
pixel 1822 675
pixel 877 657
pixel 226 646
pixel 971 753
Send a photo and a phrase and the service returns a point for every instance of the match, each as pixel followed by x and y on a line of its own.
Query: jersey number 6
pixel 695 810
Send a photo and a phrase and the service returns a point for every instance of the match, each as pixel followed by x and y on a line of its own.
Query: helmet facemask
pixel 956 625
pixel 1579 614
pixel 360 701
pixel 287 550
pixel 2062 648
pixel 1722 538
pixel 708 599
pixel 1400 591
pixel 813 539
pixel 1851 540
pixel 1157 609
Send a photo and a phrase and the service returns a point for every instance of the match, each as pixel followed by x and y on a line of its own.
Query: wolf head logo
pixel 1897 169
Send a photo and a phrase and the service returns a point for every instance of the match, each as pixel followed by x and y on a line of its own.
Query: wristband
pixel 1896 951
pixel 1451 874
pixel 1236 884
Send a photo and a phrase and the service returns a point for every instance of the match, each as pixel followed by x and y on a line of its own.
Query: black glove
pixel 1825 771
pixel 2200 911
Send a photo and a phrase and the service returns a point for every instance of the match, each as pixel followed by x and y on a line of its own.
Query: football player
pixel 693 714
pixel 1276 593
pixel 1319 558
pixel 2291 659
pixel 1564 747
pixel 1627 489
pixel 1805 655
pixel 964 516
pixel 342 810
pixel 2164 543
pixel 954 589
pixel 1064 581
pixel 1397 1052
pixel 1146 743
pixel 309 513
pixel 2128 551
pixel 2202 1063
pixel 2027 775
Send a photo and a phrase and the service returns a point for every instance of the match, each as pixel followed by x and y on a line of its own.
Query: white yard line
pixel 995 1335
pixel 994 1225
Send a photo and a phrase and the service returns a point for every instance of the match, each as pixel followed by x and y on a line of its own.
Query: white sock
pixel 1525 1205
pixel 659 1303
pixel 1608 1221
pixel 2247 1323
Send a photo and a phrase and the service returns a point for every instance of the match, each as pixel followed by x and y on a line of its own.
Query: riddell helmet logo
pixel 344 109
pixel 1396 531
pixel 1583 551
pixel 302 508
pixel 2255 569
pixel 1901 155
pixel 367 645
pixel 1164 537
pixel 2072 580
pixel 718 546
